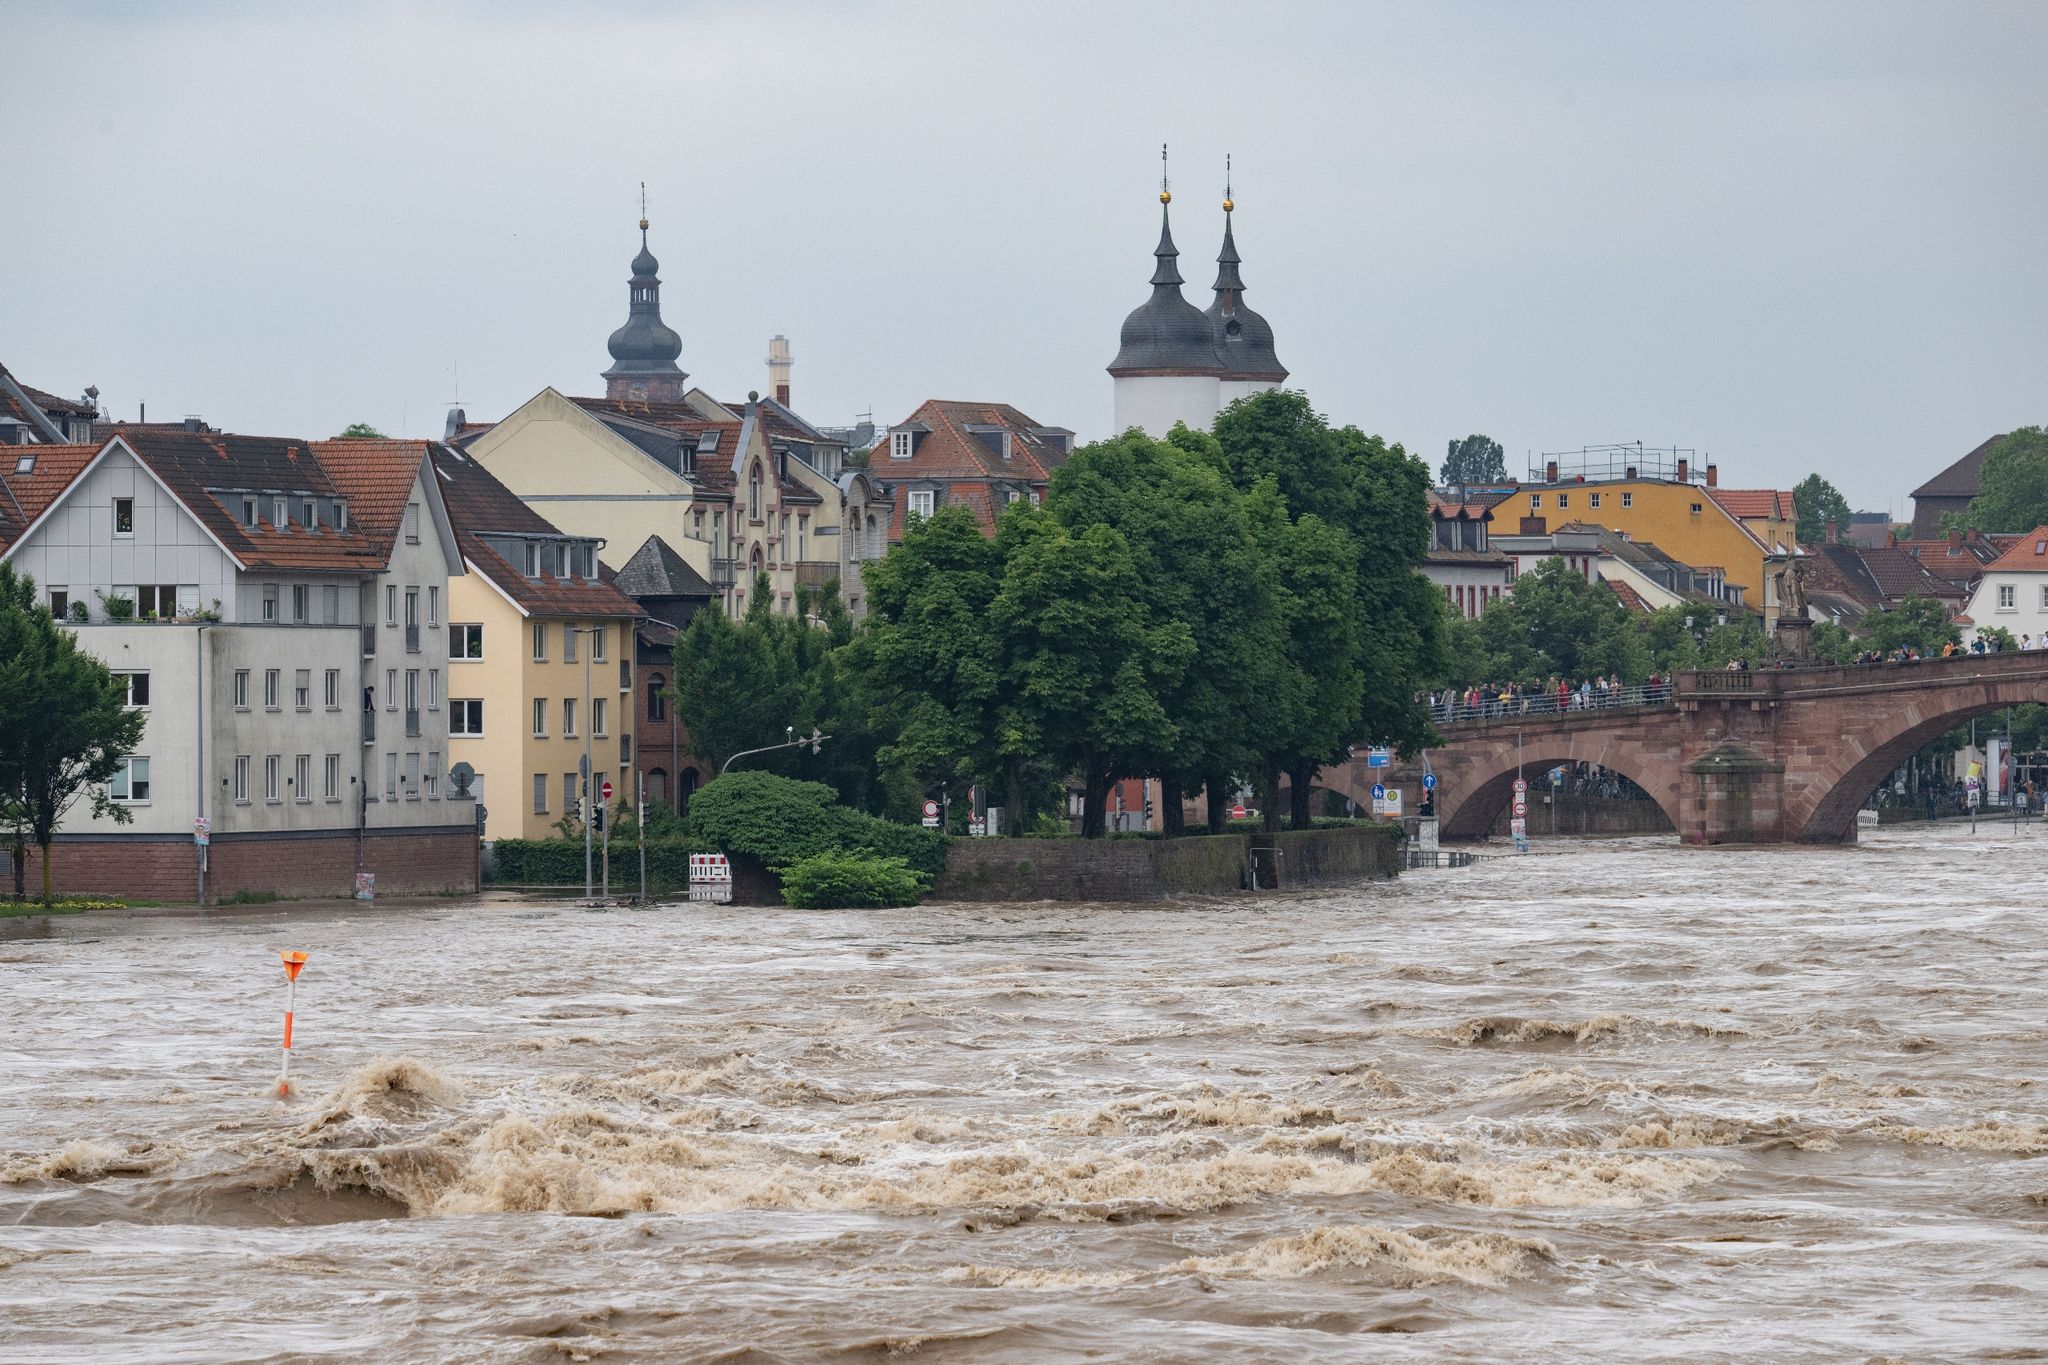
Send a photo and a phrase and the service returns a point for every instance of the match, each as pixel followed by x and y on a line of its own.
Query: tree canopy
pixel 361 431
pixel 1917 622
pixel 2012 487
pixel 1557 625
pixel 1476 459
pixel 1818 503
pixel 64 726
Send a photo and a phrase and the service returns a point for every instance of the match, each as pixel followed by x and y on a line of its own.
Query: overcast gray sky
pixel 1796 237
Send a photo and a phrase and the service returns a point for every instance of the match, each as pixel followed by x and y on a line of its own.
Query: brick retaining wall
pixel 1155 869
pixel 1588 815
pixel 144 868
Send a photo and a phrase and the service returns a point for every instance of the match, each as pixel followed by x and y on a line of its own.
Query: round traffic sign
pixel 605 789
pixel 1429 782
pixel 931 808
pixel 1379 791
pixel 1520 785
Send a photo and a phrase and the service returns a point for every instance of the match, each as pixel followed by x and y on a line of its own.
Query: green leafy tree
pixel 1195 564
pixel 1085 659
pixel 732 692
pixel 1476 459
pixel 1560 625
pixel 64 729
pixel 1920 623
pixel 2012 487
pixel 1674 646
pixel 361 431
pixel 1833 644
pixel 1818 502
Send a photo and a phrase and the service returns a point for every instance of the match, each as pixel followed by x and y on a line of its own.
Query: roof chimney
pixel 778 368
pixel 1684 470
pixel 1550 471
pixel 1955 538
pixel 1975 534
pixel 1629 472
pixel 1834 533
pixel 1535 526
pixel 1713 475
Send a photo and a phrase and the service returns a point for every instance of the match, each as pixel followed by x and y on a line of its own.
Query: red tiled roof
pixel 24 497
pixel 1755 504
pixel 1630 598
pixel 2029 555
pixel 377 478
pixel 478 505
pixel 193 464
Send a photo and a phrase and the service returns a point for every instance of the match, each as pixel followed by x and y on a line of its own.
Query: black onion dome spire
pixel 1166 333
pixel 1243 339
pixel 645 345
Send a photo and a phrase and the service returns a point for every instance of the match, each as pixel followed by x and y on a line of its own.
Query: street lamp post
pixel 587 774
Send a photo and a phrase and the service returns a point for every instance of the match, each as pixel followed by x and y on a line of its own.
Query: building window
pixel 1628 500
pixel 626 675
pixel 783 539
pixel 597 644
pixel 391 777
pixel 124 516
pixel 803 526
pixel 1535 502
pixel 754 493
pixel 2044 597
pixel 2006 595
pixel 1564 499
pixel 433 606
pixel 1593 498
pixel 540 717
pixel 330 777
pixel 540 793
pixel 465 642
pixel 60 603
pixel 332 694
pixel 540 642
pixel 277 516
pixel 433 689
pixel 568 718
pixel 249 513
pixel 241 779
pixel 130 782
pixel 412 523
pixel 568 644
pixel 570 806
pixel 309 514
pixel 390 604
pixel 134 691
pixel 241 689
pixel 330 604
pixel 302 778
pixel 1696 508
pixel 270 601
pixel 302 689
pixel 412 701
pixel 899 445
pixel 433 777
pixel 597 710
pixel 273 778
pixel 273 684
pixel 921 502
pixel 340 515
pixel 302 603
pixel 465 715
pixel 657 698
pixel 390 689
pixel 412 776
pixel 532 559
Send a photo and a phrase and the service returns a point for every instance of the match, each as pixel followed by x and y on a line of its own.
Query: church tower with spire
pixel 1244 340
pixel 1166 369
pixel 644 351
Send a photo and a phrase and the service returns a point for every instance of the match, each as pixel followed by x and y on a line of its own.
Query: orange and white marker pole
pixel 294 963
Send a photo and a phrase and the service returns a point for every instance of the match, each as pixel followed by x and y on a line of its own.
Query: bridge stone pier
pixel 1760 757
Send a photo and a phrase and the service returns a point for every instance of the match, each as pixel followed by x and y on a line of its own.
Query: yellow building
pixel 1748 534
pixel 540 659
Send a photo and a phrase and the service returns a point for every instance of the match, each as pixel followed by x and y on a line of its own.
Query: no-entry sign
pixel 605 789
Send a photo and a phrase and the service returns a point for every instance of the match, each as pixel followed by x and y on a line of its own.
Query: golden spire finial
pixel 1228 202
pixel 1165 194
pixel 643 206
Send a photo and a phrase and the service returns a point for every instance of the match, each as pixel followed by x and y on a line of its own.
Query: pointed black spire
pixel 644 351
pixel 1244 340
pixel 1166 334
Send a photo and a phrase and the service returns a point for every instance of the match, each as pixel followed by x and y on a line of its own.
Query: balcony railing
pixel 369 641
pixel 815 573
pixel 412 638
pixel 369 727
pixel 412 722
pixel 1491 705
pixel 724 572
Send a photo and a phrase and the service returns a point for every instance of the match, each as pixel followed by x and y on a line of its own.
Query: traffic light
pixel 597 818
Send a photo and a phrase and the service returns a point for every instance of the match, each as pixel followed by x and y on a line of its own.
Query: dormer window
pixel 309 514
pixel 249 513
pixel 532 559
pixel 899 445
pixel 277 514
pixel 707 442
pixel 340 515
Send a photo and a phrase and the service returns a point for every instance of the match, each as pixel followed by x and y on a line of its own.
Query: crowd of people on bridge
pixel 1548 698
pixel 1994 644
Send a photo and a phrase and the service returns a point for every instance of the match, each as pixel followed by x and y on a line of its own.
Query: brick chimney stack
pixel 1713 475
pixel 778 368
pixel 1834 533
pixel 1684 470
pixel 1550 471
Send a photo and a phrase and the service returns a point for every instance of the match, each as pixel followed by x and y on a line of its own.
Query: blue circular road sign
pixel 1429 782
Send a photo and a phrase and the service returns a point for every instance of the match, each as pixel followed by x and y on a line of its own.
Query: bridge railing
pixel 1496 707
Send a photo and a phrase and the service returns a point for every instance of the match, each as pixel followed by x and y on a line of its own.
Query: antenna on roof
pixel 456 401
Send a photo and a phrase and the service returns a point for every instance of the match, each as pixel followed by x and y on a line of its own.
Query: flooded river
pixel 1612 1101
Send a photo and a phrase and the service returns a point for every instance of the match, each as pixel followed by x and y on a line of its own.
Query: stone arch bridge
pixel 1757 757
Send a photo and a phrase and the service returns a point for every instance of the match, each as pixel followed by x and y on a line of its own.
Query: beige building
pixel 540 658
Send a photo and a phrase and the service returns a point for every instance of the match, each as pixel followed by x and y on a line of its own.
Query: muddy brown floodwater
pixel 1620 1101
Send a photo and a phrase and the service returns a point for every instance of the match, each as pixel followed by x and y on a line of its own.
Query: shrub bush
pixel 559 862
pixel 834 881
pixel 782 821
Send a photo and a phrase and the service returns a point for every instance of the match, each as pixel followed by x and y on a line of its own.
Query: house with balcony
pixel 541 654
pixel 269 604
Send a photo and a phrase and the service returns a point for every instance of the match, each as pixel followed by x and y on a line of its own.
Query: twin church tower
pixel 1180 363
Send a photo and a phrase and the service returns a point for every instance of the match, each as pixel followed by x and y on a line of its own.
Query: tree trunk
pixel 1269 796
pixel 1301 794
pixel 1013 795
pixel 1172 813
pixel 46 874
pixel 19 853
pixel 1218 788
pixel 1097 787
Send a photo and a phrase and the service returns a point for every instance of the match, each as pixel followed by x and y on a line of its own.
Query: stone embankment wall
pixel 1587 815
pixel 146 868
pixel 1158 869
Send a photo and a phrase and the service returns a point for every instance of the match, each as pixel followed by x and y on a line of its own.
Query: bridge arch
pixel 1823 793
pixel 1484 790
